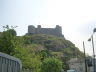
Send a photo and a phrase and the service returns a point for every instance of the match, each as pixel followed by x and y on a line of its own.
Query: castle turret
pixel 59 29
pixel 31 29
pixel 39 26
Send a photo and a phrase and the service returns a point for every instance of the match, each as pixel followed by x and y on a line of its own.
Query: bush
pixel 51 65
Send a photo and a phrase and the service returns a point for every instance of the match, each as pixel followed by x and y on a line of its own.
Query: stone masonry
pixel 57 31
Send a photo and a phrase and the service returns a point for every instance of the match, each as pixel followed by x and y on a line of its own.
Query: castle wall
pixel 45 30
pixel 50 31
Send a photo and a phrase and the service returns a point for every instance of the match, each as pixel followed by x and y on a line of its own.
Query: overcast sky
pixel 77 17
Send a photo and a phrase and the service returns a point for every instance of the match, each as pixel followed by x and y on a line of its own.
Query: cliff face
pixel 50 31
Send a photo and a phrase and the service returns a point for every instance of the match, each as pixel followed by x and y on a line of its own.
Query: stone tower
pixel 58 29
pixel 31 29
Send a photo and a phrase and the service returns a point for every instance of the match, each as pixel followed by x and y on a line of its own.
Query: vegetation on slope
pixel 54 44
pixel 35 50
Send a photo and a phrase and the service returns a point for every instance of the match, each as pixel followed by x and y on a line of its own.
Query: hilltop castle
pixel 57 31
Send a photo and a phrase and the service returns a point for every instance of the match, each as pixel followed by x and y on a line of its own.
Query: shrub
pixel 51 65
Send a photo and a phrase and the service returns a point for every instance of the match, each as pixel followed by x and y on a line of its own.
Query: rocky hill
pixel 54 44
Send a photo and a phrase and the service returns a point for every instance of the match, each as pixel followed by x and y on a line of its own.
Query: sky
pixel 77 18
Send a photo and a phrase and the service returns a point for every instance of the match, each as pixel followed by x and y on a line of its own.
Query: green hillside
pixel 54 44
pixel 39 50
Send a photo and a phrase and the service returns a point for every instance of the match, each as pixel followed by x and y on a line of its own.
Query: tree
pixel 30 60
pixel 7 41
pixel 51 65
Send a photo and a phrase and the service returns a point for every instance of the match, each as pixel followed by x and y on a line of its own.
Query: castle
pixel 57 31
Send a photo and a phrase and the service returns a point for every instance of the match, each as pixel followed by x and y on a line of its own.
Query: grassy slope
pixel 54 44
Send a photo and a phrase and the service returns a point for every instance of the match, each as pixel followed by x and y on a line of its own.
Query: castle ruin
pixel 57 31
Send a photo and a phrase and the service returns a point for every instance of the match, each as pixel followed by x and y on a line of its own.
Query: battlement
pixel 57 31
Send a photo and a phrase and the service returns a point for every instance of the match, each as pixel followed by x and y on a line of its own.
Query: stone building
pixel 57 31
pixel 78 64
